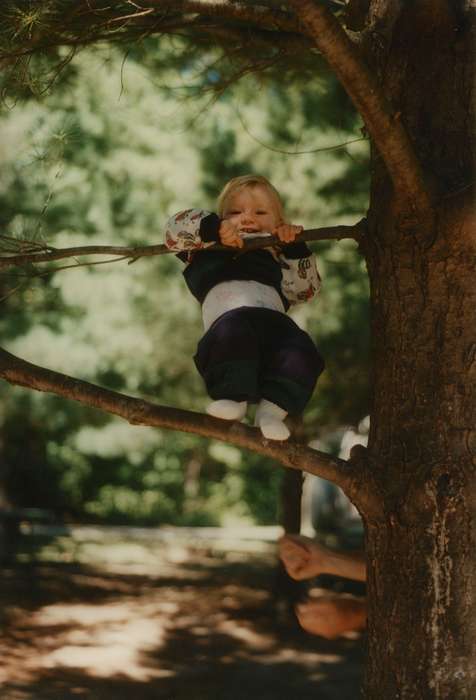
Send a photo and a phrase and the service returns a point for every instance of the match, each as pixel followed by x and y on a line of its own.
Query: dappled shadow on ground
pixel 201 629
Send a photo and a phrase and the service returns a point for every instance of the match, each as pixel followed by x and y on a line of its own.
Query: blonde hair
pixel 239 183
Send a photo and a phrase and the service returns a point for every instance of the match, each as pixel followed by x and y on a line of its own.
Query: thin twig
pixel 13 291
pixel 127 252
pixel 295 153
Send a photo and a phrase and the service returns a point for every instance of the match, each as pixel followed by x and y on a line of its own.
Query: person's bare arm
pixel 332 616
pixel 304 558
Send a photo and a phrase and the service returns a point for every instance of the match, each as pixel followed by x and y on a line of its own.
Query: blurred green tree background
pixel 119 145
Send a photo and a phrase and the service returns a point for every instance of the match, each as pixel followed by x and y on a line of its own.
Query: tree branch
pixel 86 24
pixel 382 121
pixel 139 412
pixel 49 254
pixel 258 14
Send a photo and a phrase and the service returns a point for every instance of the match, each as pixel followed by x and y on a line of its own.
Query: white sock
pixel 227 409
pixel 270 419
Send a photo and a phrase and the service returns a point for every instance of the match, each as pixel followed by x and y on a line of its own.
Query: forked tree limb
pixel 139 412
pixel 381 120
pixel 134 252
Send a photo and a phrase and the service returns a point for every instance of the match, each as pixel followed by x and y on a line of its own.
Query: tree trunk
pixel 291 494
pixel 286 588
pixel 421 550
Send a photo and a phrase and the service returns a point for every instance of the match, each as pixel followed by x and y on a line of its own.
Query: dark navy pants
pixel 251 353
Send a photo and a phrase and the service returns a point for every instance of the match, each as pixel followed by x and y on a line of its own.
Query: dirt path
pixel 197 625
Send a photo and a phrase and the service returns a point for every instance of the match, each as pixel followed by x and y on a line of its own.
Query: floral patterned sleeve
pixel 192 229
pixel 301 281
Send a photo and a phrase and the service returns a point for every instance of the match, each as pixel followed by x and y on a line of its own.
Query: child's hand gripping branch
pixel 230 233
pixel 251 352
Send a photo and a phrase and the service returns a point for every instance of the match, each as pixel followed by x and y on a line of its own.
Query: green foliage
pixel 342 329
pixel 106 158
pixel 261 489
pixel 123 504
pixel 40 38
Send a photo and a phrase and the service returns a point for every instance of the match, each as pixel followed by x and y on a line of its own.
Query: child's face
pixel 252 210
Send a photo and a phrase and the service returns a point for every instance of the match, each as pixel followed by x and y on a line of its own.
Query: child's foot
pixel 227 409
pixel 270 419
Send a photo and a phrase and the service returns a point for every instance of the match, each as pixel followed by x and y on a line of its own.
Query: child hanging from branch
pixel 251 352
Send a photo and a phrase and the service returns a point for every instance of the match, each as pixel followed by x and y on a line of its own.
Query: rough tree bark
pixel 420 254
pixel 421 553
pixel 415 485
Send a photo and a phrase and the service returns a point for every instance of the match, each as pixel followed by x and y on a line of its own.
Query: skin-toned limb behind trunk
pixel 332 615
